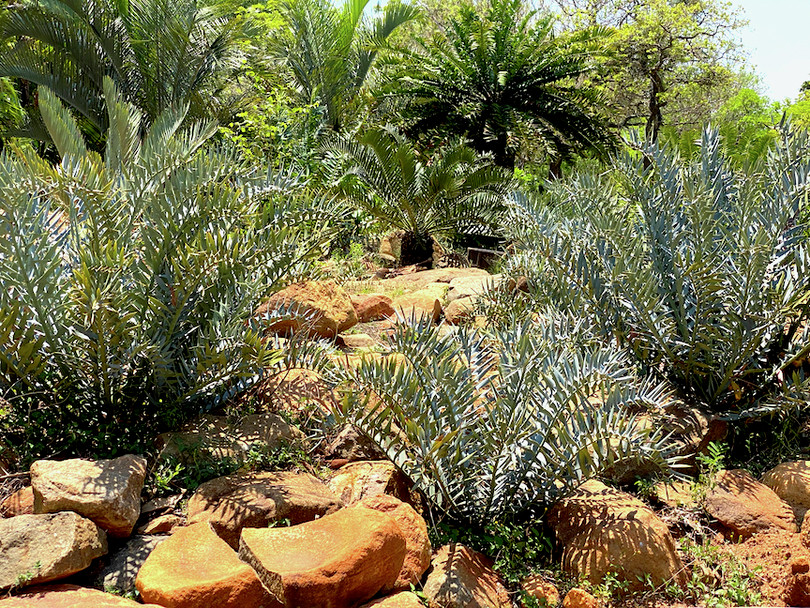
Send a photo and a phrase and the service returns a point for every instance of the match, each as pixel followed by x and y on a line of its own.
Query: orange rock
pixel 460 311
pixel 69 596
pixel 358 480
pixel 417 542
pixel 542 590
pixel 579 598
pixel 746 506
pixel 253 500
pixel 419 305
pixel 463 578
pixel 791 482
pixel 337 561
pixel 162 524
pixel 604 530
pixel 406 599
pixel 372 307
pixel 194 568
pixel 321 307
pixel 19 503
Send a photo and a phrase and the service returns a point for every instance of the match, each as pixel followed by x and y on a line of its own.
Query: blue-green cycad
pixel 699 270
pixel 129 281
pixel 506 423
pixel 452 191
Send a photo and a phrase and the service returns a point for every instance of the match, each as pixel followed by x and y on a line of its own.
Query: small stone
pixel 160 525
pixel 358 480
pixel 107 492
pixel 323 308
pixel 163 503
pixel 47 547
pixel 415 531
pixel 338 561
pixel 745 506
pixel 254 500
pixel 463 578
pixel 194 568
pixel 19 503
pixel 372 307
pixel 579 598
pixel 125 563
pixel 69 596
pixel 543 591
pixel 405 599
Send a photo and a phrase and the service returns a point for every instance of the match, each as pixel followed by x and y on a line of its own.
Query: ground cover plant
pixel 130 279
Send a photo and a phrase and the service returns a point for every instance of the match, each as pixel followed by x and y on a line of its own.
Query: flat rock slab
pixel 69 596
pixel 791 482
pixel 194 568
pixel 414 529
pixel 254 500
pixel 338 561
pixel 406 599
pixel 603 530
pixel 745 506
pixel 417 280
pixel 105 491
pixel 47 547
pixel 463 578
pixel 358 480
pixel 119 574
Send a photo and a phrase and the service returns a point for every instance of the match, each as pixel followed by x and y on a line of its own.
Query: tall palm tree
pixel 159 53
pixel 507 82
pixel 330 50
pixel 426 197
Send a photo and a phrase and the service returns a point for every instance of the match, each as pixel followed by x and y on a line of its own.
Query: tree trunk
pixel 655 118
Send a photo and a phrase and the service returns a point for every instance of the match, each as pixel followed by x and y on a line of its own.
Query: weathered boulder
pixel 69 596
pixel 194 568
pixel 418 280
pixel 351 445
pixel 474 285
pixel 214 438
pixel 292 391
pixel 419 305
pixel 254 500
pixel 415 531
pixel 124 564
pixel 579 598
pixel 405 599
pixel 542 590
pixel 791 482
pixel 19 503
pixel 603 530
pixel 162 524
pixel 462 578
pixel 460 311
pixel 358 480
pixel 323 308
pixel 372 307
pixel 745 506
pixel 105 491
pixel 47 547
pixel 676 493
pixel 337 561
pixel 357 341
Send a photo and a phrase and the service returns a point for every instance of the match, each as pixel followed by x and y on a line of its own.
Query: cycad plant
pixel 487 425
pixel 329 51
pixel 158 52
pixel 507 82
pixel 427 197
pixel 700 271
pixel 129 282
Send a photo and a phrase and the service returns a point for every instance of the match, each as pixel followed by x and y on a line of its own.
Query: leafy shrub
pixel 699 271
pixel 492 425
pixel 129 281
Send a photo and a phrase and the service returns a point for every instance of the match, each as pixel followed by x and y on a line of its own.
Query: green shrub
pixel 129 281
pixel 492 425
pixel 700 271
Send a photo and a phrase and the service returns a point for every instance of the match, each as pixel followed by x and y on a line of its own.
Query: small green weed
pixel 710 464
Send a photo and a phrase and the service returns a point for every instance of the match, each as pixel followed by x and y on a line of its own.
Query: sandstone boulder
pixel 579 598
pixel 47 547
pixel 214 438
pixel 415 531
pixel 162 524
pixel 19 503
pixel 124 564
pixel 69 596
pixel 372 307
pixel 351 445
pixel 323 308
pixel 603 530
pixel 292 391
pixel 460 311
pixel 419 305
pixel 357 341
pixel 675 493
pixel 404 599
pixel 745 506
pixel 194 568
pixel 418 280
pixel 791 482
pixel 358 480
pixel 462 578
pixel 337 561
pixel 473 286
pixel 105 491
pixel 254 500
pixel 542 590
